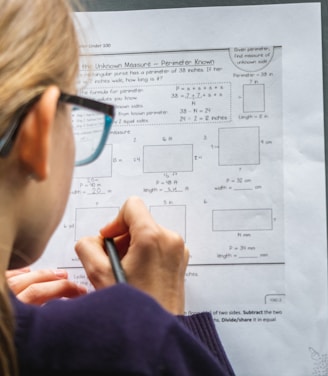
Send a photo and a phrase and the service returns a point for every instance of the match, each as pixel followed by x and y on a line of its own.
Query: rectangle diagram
pixel 254 98
pixel 168 158
pixel 100 168
pixel 88 221
pixel 172 217
pixel 239 146
pixel 242 220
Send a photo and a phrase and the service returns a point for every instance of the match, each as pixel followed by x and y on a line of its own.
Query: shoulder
pixel 117 326
pixel 129 309
pixel 117 329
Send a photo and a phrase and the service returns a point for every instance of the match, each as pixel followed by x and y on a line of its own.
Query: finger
pixel 90 251
pixel 186 258
pixel 40 293
pixel 21 281
pixel 122 244
pixel 133 214
pixel 134 221
pixel 14 272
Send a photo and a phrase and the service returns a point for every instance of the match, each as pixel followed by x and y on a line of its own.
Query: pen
pixel 115 261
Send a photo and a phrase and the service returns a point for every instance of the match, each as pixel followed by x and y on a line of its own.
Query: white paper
pixel 219 128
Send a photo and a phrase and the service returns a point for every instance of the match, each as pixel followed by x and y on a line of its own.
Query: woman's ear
pixel 34 137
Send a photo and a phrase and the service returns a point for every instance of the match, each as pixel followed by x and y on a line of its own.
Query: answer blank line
pixel 196 265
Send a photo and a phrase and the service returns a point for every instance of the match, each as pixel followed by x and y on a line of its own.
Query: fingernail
pixel 82 289
pixel 60 273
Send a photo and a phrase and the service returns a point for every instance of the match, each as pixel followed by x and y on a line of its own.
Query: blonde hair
pixel 38 48
pixel 8 364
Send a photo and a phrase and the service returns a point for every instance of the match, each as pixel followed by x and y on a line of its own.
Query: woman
pixel 133 328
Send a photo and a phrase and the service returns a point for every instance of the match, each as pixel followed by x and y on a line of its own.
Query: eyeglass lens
pixel 88 129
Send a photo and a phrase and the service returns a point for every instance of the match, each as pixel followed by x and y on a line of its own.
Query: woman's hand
pixel 154 259
pixel 40 286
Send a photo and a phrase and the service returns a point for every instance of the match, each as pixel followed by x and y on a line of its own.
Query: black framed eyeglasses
pixel 91 121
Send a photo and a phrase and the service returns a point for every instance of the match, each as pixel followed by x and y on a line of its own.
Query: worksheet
pixel 219 129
